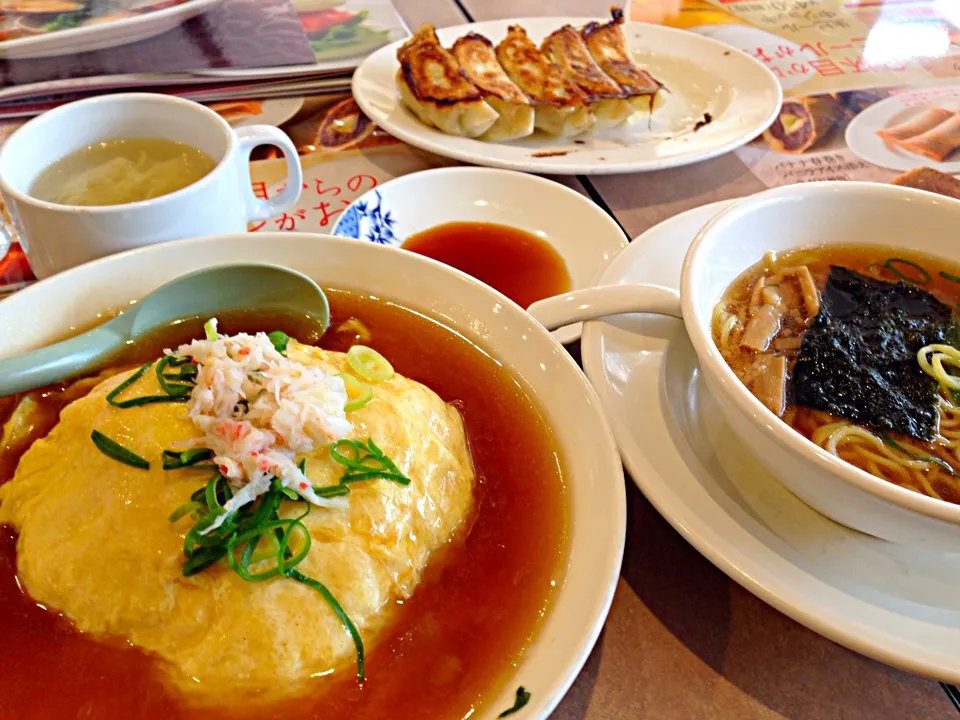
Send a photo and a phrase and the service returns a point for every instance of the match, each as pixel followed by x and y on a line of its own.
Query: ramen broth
pixel 447 649
pixel 123 170
pixel 928 467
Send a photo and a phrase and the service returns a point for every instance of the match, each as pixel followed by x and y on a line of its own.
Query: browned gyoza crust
pixel 433 74
pixel 478 61
pixel 560 105
pixel 432 85
pixel 608 47
pixel 533 72
pixel 610 104
pixel 567 49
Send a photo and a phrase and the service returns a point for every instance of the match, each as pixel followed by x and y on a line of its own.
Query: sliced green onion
pixel 359 393
pixel 523 697
pixel 184 509
pixel 287 559
pixel 922 278
pixel 217 487
pixel 172 460
pixel 115 450
pixel 329 491
pixel 280 340
pixel 210 330
pixel 127 383
pixel 143 399
pixel 324 491
pixel 202 559
pixel 914 456
pixel 175 389
pixel 949 276
pixel 365 461
pixel 338 610
pixel 241 566
pixel 369 364
pixel 256 552
pixel 255 533
pixel 187 372
pixel 149 399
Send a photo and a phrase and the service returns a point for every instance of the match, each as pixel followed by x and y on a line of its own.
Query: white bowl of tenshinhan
pixel 427 497
pixel 823 316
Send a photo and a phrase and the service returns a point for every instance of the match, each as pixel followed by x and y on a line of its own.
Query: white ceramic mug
pixel 56 237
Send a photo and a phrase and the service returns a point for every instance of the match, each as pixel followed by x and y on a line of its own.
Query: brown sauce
pixel 517 263
pixel 450 646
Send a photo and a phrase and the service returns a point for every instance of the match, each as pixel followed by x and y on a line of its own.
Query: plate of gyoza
pixel 567 95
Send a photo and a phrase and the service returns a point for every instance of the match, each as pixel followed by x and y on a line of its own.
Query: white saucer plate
pixel 863 141
pixel 704 79
pixel 583 235
pixel 896 603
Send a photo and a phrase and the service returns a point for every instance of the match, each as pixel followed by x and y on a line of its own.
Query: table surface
pixel 682 639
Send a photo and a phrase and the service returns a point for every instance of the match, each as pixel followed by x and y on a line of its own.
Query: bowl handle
pixel 596 302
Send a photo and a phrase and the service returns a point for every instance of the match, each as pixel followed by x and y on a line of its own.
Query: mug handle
pixel 596 302
pixel 249 138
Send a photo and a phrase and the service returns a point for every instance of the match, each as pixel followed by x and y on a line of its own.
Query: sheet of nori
pixel 858 358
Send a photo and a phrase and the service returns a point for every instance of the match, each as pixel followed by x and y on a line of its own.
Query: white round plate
pixel 584 235
pixel 702 75
pixel 275 112
pixel 103 35
pixel 862 138
pixel 898 604
pixel 747 37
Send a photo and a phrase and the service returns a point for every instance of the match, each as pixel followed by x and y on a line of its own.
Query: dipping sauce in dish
pixel 517 263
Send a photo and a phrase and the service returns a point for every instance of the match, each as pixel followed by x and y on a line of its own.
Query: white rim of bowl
pixel 54 115
pixel 468 170
pixel 599 603
pixel 771 425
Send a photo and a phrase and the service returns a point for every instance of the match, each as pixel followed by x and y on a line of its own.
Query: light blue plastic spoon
pixel 204 293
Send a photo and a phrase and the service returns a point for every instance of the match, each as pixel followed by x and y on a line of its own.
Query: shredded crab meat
pixel 257 410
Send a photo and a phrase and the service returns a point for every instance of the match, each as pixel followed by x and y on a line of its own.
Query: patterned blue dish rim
pixel 365 220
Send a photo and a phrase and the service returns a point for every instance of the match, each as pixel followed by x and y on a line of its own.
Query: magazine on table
pixel 854 108
pixel 55 51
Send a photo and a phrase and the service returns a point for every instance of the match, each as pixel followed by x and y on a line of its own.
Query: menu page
pixel 870 85
pixel 343 32
pixel 45 40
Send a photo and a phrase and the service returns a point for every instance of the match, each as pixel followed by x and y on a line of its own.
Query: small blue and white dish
pixel 579 230
pixel 366 218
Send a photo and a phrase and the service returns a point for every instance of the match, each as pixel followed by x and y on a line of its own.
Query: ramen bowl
pixel 588 562
pixel 780 220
